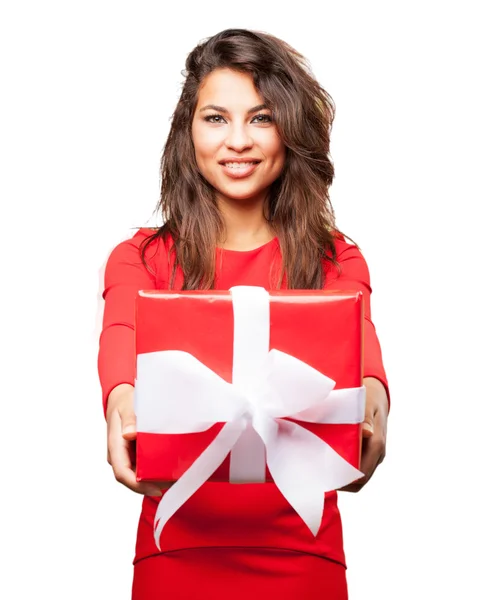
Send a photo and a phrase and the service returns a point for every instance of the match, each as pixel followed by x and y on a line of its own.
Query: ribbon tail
pixel 197 474
pixel 304 467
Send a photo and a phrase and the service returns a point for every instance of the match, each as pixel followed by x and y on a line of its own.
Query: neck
pixel 245 224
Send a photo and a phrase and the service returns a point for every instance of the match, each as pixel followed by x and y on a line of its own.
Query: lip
pixel 238 159
pixel 239 172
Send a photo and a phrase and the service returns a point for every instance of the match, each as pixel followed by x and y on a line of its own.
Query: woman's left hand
pixel 374 429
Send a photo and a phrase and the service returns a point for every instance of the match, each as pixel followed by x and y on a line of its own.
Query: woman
pixel 245 178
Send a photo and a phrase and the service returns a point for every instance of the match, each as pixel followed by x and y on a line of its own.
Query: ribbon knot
pixel 255 400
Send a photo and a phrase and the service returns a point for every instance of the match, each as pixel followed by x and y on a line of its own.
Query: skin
pixel 374 431
pixel 236 132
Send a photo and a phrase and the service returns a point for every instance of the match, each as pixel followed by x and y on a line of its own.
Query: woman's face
pixel 237 146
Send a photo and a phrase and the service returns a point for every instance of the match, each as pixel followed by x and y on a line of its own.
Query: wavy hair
pixel 298 204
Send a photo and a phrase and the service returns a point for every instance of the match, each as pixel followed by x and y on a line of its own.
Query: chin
pixel 241 190
pixel 235 195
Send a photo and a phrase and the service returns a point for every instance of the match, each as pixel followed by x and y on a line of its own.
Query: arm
pixel 355 276
pixel 125 275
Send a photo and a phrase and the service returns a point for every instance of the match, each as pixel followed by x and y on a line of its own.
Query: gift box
pixel 250 386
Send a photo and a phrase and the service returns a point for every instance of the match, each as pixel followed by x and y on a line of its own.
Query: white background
pixel 87 92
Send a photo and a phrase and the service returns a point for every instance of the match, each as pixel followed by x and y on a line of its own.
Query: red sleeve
pixel 355 276
pixel 125 274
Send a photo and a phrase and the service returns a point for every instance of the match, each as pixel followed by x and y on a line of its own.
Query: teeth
pixel 235 165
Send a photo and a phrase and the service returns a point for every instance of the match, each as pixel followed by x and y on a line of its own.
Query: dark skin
pixel 374 431
pixel 121 435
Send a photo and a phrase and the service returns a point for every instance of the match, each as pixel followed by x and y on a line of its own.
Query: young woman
pixel 244 199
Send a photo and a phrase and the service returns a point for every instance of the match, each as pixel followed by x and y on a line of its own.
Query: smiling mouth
pixel 239 165
pixel 237 170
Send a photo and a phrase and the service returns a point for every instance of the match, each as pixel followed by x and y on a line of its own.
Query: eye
pixel 263 118
pixel 213 118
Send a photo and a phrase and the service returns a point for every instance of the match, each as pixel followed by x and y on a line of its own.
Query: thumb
pixel 128 422
pixel 368 426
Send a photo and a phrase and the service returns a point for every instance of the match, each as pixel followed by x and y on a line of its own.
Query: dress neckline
pixel 252 250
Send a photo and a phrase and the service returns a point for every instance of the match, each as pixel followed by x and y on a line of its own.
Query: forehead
pixel 230 89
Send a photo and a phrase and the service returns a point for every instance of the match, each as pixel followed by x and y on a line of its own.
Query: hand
pixel 374 429
pixel 121 436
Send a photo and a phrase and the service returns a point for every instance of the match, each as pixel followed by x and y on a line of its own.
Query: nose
pixel 238 138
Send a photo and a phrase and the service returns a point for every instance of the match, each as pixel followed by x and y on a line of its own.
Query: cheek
pixel 274 147
pixel 198 144
pixel 278 156
pixel 205 143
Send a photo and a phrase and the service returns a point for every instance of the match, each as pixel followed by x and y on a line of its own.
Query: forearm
pixel 116 357
pixel 125 275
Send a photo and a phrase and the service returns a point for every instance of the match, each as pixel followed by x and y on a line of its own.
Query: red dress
pixel 228 541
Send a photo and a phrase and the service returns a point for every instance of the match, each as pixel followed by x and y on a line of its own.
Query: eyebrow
pixel 225 110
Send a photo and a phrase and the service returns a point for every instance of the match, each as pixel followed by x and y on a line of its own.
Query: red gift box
pixel 320 328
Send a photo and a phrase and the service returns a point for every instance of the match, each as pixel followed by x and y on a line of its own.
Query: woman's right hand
pixel 121 436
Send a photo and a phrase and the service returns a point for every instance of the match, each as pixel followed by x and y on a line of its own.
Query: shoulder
pixel 350 262
pixel 349 259
pixel 142 240
pixel 142 252
pixel 345 247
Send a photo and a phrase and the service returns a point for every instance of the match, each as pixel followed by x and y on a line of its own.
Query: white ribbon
pixel 176 393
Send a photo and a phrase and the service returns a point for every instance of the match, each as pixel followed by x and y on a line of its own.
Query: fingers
pixel 372 455
pixel 367 429
pixel 128 420
pixel 374 451
pixel 370 458
pixel 368 423
pixel 368 466
pixel 376 403
pixel 119 450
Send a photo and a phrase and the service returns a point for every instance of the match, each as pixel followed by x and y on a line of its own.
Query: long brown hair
pixel 298 204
